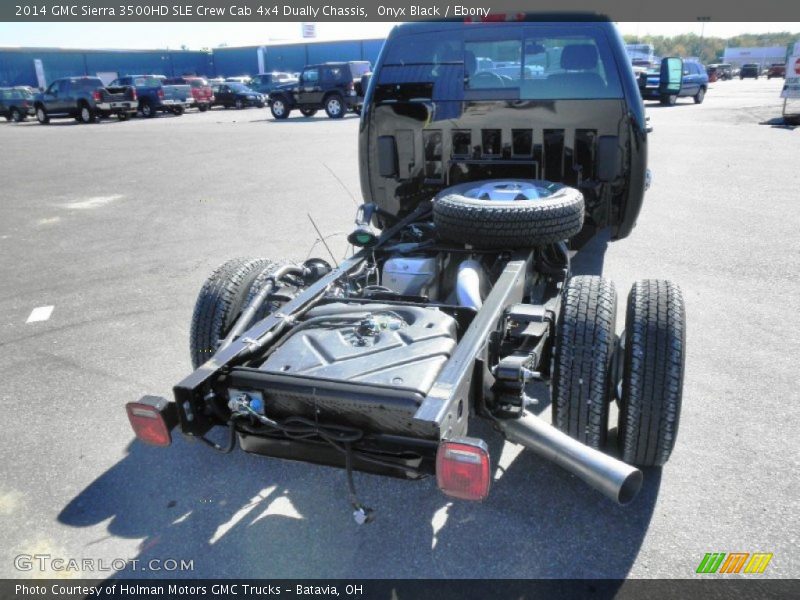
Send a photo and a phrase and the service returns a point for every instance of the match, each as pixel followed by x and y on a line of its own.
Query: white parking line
pixel 40 313
pixel 93 202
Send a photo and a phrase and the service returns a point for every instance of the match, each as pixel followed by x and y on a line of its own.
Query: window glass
pixel 146 81
pixel 310 76
pixel 506 61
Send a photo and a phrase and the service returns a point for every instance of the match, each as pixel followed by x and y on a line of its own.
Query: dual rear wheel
pixel 643 370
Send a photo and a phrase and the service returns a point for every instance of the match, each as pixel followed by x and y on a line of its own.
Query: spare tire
pixel 500 214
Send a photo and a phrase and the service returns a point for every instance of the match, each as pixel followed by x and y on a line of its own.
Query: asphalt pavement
pixel 110 229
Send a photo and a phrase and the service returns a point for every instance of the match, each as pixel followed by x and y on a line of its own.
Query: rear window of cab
pixel 505 62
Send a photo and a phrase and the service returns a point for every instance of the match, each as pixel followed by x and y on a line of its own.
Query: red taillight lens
pixel 151 419
pixel 160 93
pixel 462 468
pixel 135 96
pixel 98 96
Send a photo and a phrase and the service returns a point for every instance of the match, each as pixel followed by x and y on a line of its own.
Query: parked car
pixel 266 82
pixel 725 71
pixel 201 90
pixel 749 70
pixel 776 70
pixel 154 96
pixel 84 99
pixel 693 83
pixel 385 362
pixel 238 95
pixel 330 86
pixel 16 104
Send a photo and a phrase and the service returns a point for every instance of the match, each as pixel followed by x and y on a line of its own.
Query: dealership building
pixel 762 56
pixel 37 67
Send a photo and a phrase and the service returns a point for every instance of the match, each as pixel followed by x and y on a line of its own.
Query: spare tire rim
pixel 511 190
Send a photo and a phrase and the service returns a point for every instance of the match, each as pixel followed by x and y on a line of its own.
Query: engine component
pixel 412 276
pixel 469 282
pixel 401 347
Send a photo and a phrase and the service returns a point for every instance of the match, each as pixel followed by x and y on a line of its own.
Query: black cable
pixel 231 440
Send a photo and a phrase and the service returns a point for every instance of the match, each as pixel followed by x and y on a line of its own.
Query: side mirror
pixel 671 76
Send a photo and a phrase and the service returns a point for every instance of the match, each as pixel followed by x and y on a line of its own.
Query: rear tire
pixel 123 116
pixel 16 115
pixel 669 99
pixel 239 104
pixel 583 376
pixel 148 112
pixel 653 369
pixel 203 107
pixel 86 115
pixel 219 303
pixel 334 106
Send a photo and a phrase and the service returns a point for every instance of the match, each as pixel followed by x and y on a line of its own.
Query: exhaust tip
pixel 630 487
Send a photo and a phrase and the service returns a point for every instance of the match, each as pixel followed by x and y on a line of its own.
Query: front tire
pixel 279 108
pixel 669 99
pixel 219 303
pixel 41 115
pixel 203 107
pixel 334 106
pixel 700 96
pixel 653 370
pixel 585 342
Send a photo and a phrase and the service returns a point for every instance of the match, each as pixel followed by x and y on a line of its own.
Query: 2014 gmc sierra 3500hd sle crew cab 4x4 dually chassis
pixel 484 148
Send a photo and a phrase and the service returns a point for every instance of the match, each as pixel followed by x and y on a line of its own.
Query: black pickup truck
pixel 485 150
pixel 332 86
pixel 85 99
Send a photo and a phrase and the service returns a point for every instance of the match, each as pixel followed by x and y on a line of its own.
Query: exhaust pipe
pixel 614 478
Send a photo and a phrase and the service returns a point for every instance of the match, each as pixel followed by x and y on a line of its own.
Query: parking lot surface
pixel 116 225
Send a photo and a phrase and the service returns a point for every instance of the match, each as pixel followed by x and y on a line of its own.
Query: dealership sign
pixel 791 87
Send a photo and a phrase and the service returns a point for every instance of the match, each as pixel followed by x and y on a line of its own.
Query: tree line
pixel 709 49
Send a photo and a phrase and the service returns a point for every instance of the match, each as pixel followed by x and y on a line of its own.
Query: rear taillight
pixel 97 95
pixel 135 95
pixel 462 468
pixel 152 418
pixel 160 93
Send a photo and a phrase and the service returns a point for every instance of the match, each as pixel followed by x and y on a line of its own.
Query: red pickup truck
pixel 201 90
pixel 776 70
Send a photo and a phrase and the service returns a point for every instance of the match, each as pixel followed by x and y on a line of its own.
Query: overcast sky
pixel 210 35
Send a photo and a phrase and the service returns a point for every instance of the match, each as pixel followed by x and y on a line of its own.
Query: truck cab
pixel 536 99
